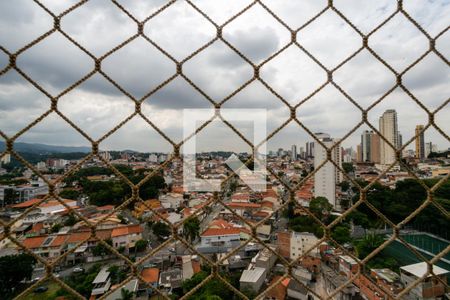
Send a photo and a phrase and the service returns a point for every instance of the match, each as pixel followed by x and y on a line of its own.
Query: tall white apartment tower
pixel 326 178
pixel 389 129
pixel 294 152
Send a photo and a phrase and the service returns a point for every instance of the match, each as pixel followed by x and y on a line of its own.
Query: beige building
pixel 420 142
pixel 388 128
pixel 375 148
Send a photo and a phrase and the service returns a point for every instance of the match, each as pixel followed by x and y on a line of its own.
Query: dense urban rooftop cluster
pixel 285 233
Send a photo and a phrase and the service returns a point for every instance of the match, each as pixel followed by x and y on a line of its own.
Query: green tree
pixel 56 228
pixel 213 287
pixel 341 234
pixel 140 245
pixel 14 269
pixel 368 244
pixel 320 207
pixel 70 220
pixel 344 186
pixel 82 283
pixel 117 274
pixel 348 167
pixel 125 294
pixel 69 194
pixel 100 249
pixel 161 230
pixel 191 229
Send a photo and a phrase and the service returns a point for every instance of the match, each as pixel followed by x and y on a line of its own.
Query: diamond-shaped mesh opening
pixel 146 222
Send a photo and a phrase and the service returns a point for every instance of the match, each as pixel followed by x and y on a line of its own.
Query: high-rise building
pixel 294 152
pixel 388 127
pixel 375 148
pixel 105 155
pixel 302 153
pixel 366 146
pixel 280 152
pixel 328 175
pixel 358 153
pixel 420 142
pixel 428 149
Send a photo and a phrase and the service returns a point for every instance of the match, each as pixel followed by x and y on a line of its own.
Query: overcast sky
pixel 96 106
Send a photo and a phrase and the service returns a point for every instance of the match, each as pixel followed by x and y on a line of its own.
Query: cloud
pixel 96 105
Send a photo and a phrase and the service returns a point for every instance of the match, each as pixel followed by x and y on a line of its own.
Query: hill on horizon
pixel 44 148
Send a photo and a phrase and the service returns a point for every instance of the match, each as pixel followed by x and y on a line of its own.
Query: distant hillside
pixel 44 149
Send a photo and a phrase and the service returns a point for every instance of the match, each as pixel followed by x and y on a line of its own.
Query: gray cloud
pixel 97 106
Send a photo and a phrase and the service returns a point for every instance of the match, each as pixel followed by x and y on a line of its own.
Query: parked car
pixel 41 289
pixel 78 270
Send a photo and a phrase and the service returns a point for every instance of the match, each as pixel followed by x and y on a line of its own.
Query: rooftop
pixel 420 269
pixel 150 275
pixel 386 274
pixel 125 230
pixel 102 276
pixel 221 231
pixel 252 275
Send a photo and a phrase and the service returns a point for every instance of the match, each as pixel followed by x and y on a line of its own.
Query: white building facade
pixel 328 175
pixel 388 127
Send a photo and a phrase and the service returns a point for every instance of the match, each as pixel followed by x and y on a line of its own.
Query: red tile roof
pixel 150 275
pixel 105 207
pixel 279 291
pixel 26 204
pixel 55 203
pixel 269 193
pixel 125 230
pixel 220 231
pixel 220 223
pixel 267 204
pixel 240 196
pixel 244 205
pixel 34 242
pixel 36 228
pixel 77 237
pixel 59 240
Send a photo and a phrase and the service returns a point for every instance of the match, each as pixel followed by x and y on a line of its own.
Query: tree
pixel 126 294
pixel 100 249
pixel 161 230
pixel 70 220
pixel 117 274
pixel 82 282
pixel 211 290
pixel 320 207
pixel 344 186
pixel 14 269
pixel 56 228
pixel 69 194
pixel 191 229
pixel 368 244
pixel 341 234
pixel 140 245
pixel 348 167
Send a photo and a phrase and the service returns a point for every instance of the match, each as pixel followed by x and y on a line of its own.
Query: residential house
pixel 220 237
pixel 171 279
pixel 101 283
pixel 430 287
pixel 296 291
pixel 126 236
pixel 252 279
pixel 151 279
